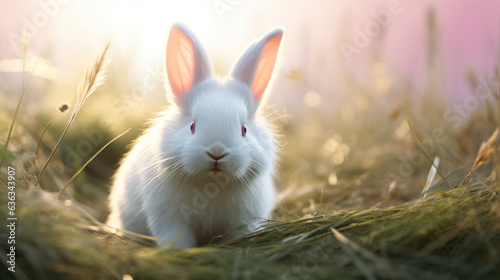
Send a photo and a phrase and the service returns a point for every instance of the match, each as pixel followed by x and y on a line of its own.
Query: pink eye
pixel 193 127
pixel 243 130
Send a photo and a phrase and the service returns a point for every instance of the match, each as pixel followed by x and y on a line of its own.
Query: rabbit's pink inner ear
pixel 267 61
pixel 180 61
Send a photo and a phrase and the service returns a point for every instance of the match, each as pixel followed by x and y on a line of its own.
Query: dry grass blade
pixel 351 248
pixel 94 77
pixel 485 154
pixel 90 160
pixel 3 184
pixel 62 109
pixel 380 263
pixel 486 151
pixel 25 85
pixel 431 176
pixel 425 152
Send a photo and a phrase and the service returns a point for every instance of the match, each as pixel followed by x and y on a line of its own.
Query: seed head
pixel 63 107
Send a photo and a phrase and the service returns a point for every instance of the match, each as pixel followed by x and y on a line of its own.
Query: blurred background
pixel 368 92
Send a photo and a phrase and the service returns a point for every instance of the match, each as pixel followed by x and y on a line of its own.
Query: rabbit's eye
pixel 193 127
pixel 243 130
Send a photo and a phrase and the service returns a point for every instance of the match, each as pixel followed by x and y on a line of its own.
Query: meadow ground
pixel 377 193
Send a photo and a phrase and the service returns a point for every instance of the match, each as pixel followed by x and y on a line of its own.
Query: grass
pixel 351 206
pixel 449 234
pixel 94 77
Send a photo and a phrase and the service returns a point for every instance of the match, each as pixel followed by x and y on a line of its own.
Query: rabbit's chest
pixel 211 212
pixel 210 203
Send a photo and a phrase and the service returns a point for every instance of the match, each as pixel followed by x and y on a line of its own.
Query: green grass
pixel 449 234
pixel 350 196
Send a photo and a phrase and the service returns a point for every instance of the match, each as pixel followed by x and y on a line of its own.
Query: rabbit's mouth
pixel 215 166
pixel 218 168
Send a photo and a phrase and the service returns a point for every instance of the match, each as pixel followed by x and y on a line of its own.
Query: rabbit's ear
pixel 255 67
pixel 186 60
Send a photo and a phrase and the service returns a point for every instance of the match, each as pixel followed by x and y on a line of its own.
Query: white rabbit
pixel 205 167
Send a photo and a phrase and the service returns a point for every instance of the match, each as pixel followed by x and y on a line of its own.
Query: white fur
pixel 165 186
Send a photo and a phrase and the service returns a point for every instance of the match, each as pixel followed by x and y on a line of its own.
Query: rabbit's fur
pixel 205 167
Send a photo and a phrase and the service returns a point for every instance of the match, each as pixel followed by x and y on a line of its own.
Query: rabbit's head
pixel 217 128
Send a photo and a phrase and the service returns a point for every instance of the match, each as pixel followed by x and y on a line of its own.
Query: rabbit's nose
pixel 216 156
pixel 217 151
